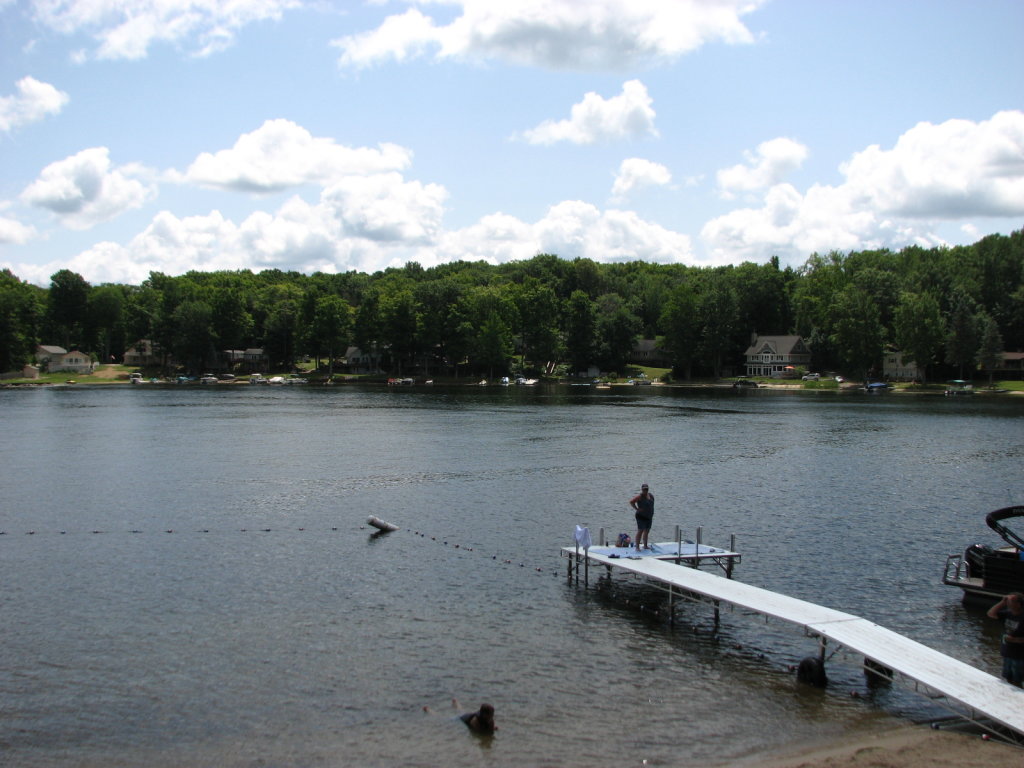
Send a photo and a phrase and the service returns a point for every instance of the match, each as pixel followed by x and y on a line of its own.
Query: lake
pixel 188 577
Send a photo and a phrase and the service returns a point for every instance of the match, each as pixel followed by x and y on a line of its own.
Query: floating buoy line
pixel 381 528
pixel 96 532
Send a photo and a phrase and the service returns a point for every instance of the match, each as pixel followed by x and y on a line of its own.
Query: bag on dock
pixel 624 540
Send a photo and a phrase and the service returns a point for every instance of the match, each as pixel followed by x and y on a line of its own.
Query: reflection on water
pixel 235 610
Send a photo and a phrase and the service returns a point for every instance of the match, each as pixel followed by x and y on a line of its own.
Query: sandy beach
pixel 905 747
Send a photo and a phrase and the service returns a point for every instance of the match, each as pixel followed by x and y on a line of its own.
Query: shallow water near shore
pixel 189 579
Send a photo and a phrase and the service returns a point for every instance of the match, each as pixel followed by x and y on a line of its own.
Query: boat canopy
pixel 995 522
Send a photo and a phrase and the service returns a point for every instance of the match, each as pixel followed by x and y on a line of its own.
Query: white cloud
pixel 34 101
pixel 557 34
pixel 597 119
pixel 635 172
pixel 953 170
pixel 125 29
pixel 83 189
pixel 280 154
pixel 402 225
pixel 14 232
pixel 386 208
pixel 569 229
pixel 771 162
pixel 890 198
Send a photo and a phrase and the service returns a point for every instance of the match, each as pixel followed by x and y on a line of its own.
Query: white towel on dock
pixel 582 537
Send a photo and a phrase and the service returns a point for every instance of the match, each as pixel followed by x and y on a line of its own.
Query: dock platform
pixel 975 695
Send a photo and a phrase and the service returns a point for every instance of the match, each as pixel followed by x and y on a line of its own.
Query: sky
pixel 176 135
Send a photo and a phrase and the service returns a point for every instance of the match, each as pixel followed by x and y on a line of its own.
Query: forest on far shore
pixel 951 310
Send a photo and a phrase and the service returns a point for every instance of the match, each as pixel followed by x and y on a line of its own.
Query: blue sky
pixel 172 135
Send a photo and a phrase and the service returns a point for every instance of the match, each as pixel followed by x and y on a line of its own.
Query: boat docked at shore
pixel 958 388
pixel 987 573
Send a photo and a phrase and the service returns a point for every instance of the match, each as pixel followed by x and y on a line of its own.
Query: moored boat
pixel 987 573
pixel 958 388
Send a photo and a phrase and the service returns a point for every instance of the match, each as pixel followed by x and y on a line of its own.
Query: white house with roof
pixel 55 358
pixel 777 356
pixel 895 368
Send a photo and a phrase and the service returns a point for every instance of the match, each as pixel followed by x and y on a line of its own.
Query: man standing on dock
pixel 643 506
pixel 1010 610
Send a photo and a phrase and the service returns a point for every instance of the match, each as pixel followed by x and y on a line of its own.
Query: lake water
pixel 188 578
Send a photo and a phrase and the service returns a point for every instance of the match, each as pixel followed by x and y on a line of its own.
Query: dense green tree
pixel 538 316
pixel 105 321
pixel 919 330
pixel 400 324
pixel 681 323
pixel 67 309
pixel 232 322
pixel 193 340
pixel 718 319
pixel 762 299
pixel 990 349
pixel 858 333
pixel 165 333
pixel 617 332
pixel 580 330
pixel 21 311
pixel 493 345
pixel 962 333
pixel 281 305
pixel 440 304
pixel 368 330
pixel 332 326
pixel 819 280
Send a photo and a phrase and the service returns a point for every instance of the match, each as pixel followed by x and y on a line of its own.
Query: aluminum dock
pixel 971 693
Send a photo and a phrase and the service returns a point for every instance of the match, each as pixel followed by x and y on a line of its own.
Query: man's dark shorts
pixel 643 523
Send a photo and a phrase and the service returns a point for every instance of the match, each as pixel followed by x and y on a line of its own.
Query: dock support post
pixel 696 549
pixel 728 563
pixel 600 537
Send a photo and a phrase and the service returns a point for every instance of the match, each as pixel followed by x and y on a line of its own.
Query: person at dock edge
pixel 1010 610
pixel 643 506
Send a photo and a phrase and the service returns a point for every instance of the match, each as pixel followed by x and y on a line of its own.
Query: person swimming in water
pixel 481 721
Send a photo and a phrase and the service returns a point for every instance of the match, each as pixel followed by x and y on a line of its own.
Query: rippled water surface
pixel 188 578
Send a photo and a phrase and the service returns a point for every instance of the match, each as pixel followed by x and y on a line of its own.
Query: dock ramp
pixel 970 692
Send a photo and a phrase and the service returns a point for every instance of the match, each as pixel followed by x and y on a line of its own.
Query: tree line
pixel 948 309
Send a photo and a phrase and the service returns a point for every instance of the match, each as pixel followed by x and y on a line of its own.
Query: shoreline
pixel 92 380
pixel 906 746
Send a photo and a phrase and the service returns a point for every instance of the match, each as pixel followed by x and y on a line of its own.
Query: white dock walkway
pixel 979 695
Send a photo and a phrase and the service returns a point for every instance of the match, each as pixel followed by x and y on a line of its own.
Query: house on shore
pixel 647 352
pixel 143 353
pixel 895 368
pixel 54 358
pixel 776 356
